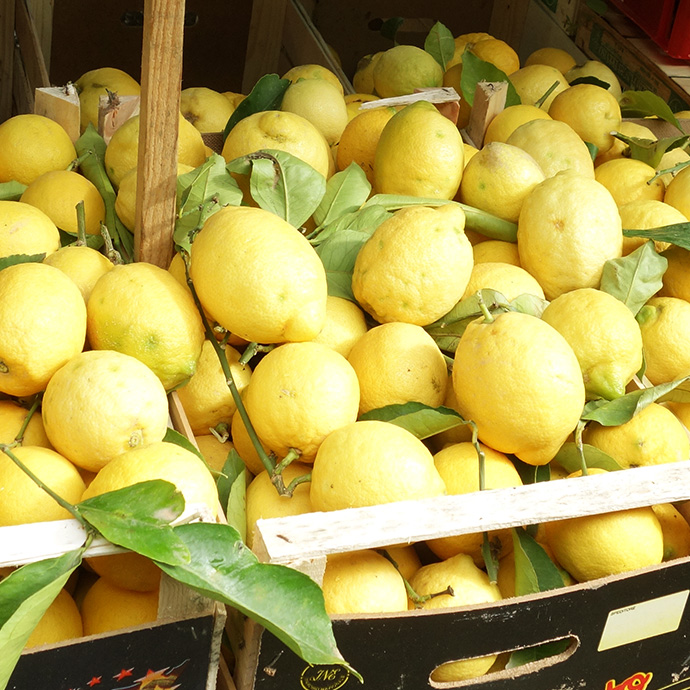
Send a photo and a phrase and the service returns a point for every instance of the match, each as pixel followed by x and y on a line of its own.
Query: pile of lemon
pixel 105 344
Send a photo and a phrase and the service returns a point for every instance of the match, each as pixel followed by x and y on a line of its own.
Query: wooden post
pixel 161 75
pixel 6 57
pixel 264 40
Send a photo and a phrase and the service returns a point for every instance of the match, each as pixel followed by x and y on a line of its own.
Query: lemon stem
pixel 110 251
pixel 418 599
pixel 81 224
pixel 580 448
pixel 19 438
pixel 488 316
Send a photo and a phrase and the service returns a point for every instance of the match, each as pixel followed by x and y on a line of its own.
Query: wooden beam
pixel 508 20
pixel 6 57
pixel 264 40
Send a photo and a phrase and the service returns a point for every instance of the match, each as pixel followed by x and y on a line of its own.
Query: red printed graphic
pixel 638 681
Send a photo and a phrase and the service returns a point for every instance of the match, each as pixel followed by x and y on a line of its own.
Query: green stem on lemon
pixel 19 438
pixel 578 444
pixel 488 316
pixel 81 224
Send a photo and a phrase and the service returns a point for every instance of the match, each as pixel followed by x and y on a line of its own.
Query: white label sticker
pixel 641 621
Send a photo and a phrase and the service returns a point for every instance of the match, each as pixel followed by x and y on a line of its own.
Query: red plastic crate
pixel 667 23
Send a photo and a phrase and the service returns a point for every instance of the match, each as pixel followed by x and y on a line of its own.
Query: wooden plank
pixel 508 20
pixel 161 74
pixel 42 13
pixel 60 103
pixel 264 40
pixel 32 55
pixel 489 100
pixel 22 94
pixel 310 536
pixel 6 57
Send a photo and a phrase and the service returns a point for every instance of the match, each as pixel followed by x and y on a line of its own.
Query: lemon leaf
pixel 25 595
pixel 13 259
pixel 678 234
pixel 231 485
pixel 475 69
pixel 569 458
pixel 346 191
pixel 419 419
pixel 534 570
pixel 11 191
pixel 651 152
pixel 440 44
pixel 645 103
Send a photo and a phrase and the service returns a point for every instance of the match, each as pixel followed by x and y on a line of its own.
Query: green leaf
pixel 529 304
pixel 475 70
pixel 622 410
pixel 634 278
pixel 678 234
pixel 593 149
pixel 589 79
pixel 346 191
pixel 67 239
pixel 11 191
pixel 421 420
pixel 527 655
pixel 569 458
pixel 25 595
pixel 651 151
pixel 645 103
pixel 138 518
pixel 390 27
pixel 174 436
pixel 285 185
pixel 440 43
pixel 534 570
pixel 232 484
pixel 267 94
pixel 14 259
pixel 531 474
pixel 284 601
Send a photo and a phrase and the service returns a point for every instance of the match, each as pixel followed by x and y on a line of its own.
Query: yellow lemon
pixel 555 145
pixel 456 434
pixel 619 148
pixel 564 243
pixel 244 446
pixel 678 192
pixel 206 109
pixel 345 324
pixel 420 153
pixel 496 250
pixel 133 407
pixel 533 81
pixel 676 531
pixel 498 178
pixel 670 159
pixel 234 97
pixel 214 449
pixel 61 621
pixel 519 381
pixel 405 558
pixel 12 416
pixel 403 69
pixel 363 78
pixel 141 310
pixel 452 77
pixel 559 58
pixel 25 229
pixel 604 336
pixel 206 397
pixel 415 266
pixel 31 145
pixel 598 70
pixel 353 102
pixel 362 582
pixel 458 465
pixel 508 279
pixel 646 214
pixel 504 123
pixel 242 258
pixel 629 179
pixel 84 265
pixel 299 393
pixel 43 322
pixel 591 111
pixel 370 462
pixel 396 363
pixel 23 501
pixel 675 278
pixel 498 53
pixel 312 71
pixel 96 83
pixel 665 326
pixel 128 570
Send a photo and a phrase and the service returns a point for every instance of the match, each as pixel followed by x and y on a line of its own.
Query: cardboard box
pixel 625 631
pixel 564 13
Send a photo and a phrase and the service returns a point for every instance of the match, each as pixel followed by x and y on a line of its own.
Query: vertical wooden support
pixel 6 57
pixel 161 75
pixel 264 40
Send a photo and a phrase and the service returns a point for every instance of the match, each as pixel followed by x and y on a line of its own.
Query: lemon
pixel 675 278
pixel 234 97
pixel 95 83
pixel 313 71
pixel 214 449
pixel 555 145
pixel 264 502
pixel 629 179
pixel 244 257
pixel 141 310
pixel 595 546
pixel 25 229
pixel 206 109
pixel 670 159
pixel 345 324
pixel 206 397
pixel 510 280
pixel 559 58
pixel 362 582
pixel 372 462
pixel 43 325
pixel 519 381
pixel 620 149
pixel 676 531
pixel 132 405
pixel 363 78
pixel 283 131
pixel 470 151
pixel 403 69
pixel 470 586
pixel 12 416
pixel 244 446
pixel 57 194
pixel 506 572
pixel 456 434
pixel 665 325
pixel 604 336
pixel 61 621
pixel 415 266
pixel 678 192
pixel 504 123
pixel 128 570
pixel 419 153
pixel 593 112
pixel 598 70
pixel 106 607
pixel 83 264
pixel 681 410
pixel 23 501
pixel 360 137
pixel 458 465
pixel 396 363
pixel 646 214
pixel 533 81
pixel 353 102
pixel 452 78
pixel 122 151
pixel 159 460
pixel 405 558
pixel 564 243
pixel 496 251
pixel 496 52
pixel 299 393
pixel 31 145
pixel 320 102
pixel 498 178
